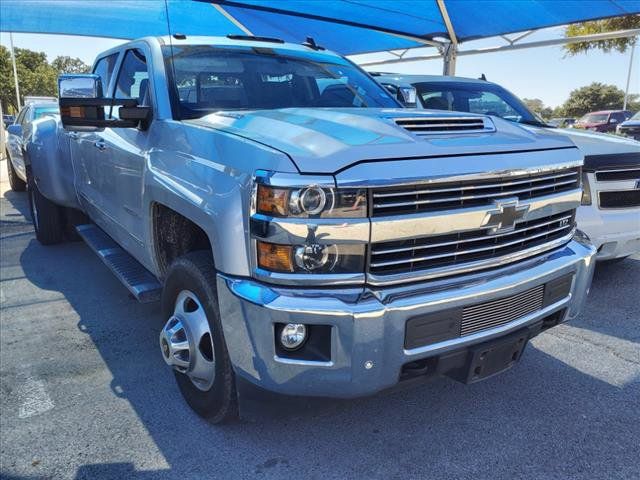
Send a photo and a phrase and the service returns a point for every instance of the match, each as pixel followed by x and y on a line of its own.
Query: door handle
pixel 100 145
pixel 73 135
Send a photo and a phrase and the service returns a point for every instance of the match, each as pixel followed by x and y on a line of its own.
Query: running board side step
pixel 141 282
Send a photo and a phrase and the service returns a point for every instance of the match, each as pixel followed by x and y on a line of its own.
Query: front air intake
pixel 434 125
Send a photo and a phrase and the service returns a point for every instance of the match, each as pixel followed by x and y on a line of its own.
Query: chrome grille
pixel 446 196
pixel 499 312
pixel 438 251
pixel 430 125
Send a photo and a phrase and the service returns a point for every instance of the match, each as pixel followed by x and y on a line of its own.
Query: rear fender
pixel 48 159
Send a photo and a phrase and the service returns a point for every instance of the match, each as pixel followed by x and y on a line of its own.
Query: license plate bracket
pixel 493 357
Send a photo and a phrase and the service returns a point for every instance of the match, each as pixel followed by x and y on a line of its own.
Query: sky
pixel 544 73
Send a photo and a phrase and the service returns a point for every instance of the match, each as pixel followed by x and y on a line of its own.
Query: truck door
pixel 91 184
pixel 120 152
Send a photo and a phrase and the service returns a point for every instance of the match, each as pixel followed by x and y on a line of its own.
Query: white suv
pixel 610 211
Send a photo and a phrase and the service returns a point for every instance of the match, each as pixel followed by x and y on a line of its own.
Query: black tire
pixel 73 218
pixel 47 217
pixel 196 272
pixel 15 182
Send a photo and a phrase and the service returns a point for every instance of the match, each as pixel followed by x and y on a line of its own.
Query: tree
pixel 594 97
pixel 64 64
pixel 536 105
pixel 35 76
pixel 601 26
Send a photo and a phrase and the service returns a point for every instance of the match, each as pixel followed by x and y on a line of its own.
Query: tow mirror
pixel 407 96
pixel 82 105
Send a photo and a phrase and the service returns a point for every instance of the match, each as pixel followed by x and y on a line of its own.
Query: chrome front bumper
pixel 369 329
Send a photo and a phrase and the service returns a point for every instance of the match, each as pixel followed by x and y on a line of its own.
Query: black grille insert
pixel 618 175
pixel 620 199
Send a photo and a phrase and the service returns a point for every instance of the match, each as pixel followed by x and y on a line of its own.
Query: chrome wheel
pixel 186 342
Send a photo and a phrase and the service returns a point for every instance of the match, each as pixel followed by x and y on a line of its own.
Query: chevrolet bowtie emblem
pixel 505 216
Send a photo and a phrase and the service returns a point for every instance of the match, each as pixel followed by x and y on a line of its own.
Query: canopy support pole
pixel 232 19
pixel 449 56
pixel 626 90
pixel 516 46
pixel 450 50
pixel 15 70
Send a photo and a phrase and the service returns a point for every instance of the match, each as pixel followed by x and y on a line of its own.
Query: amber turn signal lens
pixel 272 201
pixel 73 112
pixel 275 258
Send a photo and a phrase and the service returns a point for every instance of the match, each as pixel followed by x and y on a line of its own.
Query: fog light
pixel 293 336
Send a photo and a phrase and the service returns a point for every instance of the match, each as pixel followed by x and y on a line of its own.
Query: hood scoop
pixel 424 125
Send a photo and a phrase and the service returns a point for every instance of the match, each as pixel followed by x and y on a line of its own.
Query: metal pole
pixel 232 19
pixel 15 71
pixel 449 56
pixel 626 90
pixel 450 52
pixel 2 127
pixel 517 46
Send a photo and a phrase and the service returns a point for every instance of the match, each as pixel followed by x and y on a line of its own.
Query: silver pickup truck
pixel 304 234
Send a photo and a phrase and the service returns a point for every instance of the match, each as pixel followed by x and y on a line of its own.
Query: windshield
pixel 42 111
pixel 486 99
pixel 209 79
pixel 594 118
pixel 636 116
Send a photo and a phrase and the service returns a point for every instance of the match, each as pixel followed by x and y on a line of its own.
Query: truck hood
pixel 326 140
pixel 593 143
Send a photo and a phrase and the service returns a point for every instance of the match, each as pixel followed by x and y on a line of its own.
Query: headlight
pixel 586 190
pixel 308 232
pixel 311 201
pixel 310 258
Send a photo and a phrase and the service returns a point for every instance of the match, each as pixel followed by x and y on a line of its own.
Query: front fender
pixel 207 177
pixel 49 161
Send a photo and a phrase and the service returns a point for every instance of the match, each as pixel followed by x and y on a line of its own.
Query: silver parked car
pixel 304 234
pixel 18 135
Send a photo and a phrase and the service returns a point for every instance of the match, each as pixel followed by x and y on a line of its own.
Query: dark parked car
pixel 630 128
pixel 562 122
pixel 603 121
pixel 8 120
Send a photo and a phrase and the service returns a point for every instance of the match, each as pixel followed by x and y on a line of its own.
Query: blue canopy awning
pixel 346 26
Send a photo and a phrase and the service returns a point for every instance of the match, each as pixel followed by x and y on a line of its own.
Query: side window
pixel 104 68
pixel 23 118
pixel 20 116
pixel 133 78
pixel 436 100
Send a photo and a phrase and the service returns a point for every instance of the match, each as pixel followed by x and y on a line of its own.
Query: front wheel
pixel 192 341
pixel 47 217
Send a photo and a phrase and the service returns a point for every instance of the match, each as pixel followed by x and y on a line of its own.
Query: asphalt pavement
pixel 85 394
